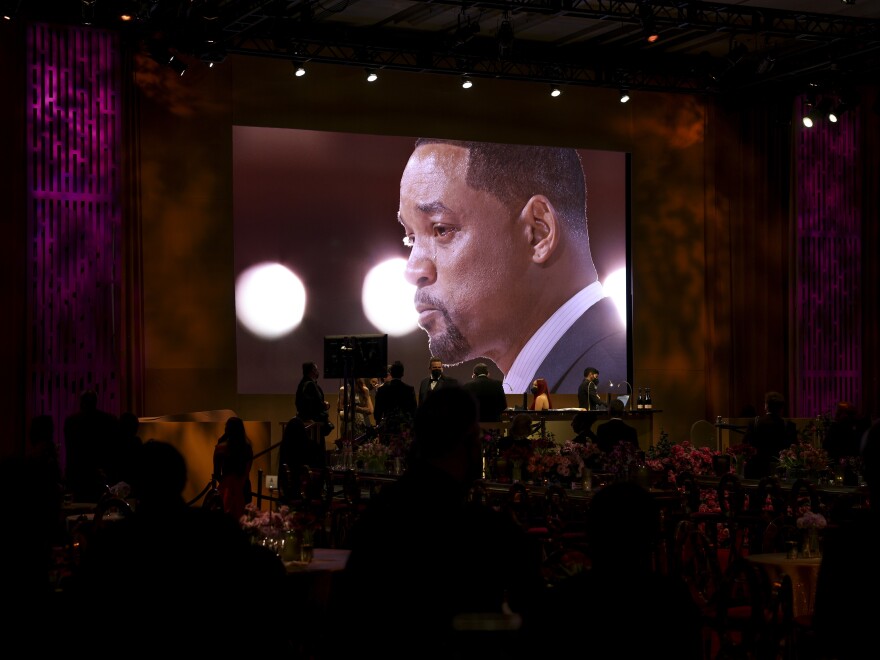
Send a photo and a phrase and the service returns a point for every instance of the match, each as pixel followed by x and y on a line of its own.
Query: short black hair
pixel 396 369
pixel 515 172
pixel 590 370
pixel 481 369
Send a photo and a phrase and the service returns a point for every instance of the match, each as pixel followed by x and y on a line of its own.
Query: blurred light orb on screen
pixel 387 299
pixel 270 300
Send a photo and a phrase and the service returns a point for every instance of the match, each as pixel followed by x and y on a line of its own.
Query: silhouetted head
pixel 447 433
pixel 624 523
pixel 774 403
pixel 521 426
pixel 481 369
pixel 396 369
pixel 160 476
pixel 583 421
pixel 128 424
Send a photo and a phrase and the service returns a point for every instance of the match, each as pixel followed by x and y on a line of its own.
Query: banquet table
pixel 803 571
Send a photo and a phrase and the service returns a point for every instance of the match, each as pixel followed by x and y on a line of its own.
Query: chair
pixel 752 614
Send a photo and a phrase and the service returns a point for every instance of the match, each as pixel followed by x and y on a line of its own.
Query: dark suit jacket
pixel 425 386
pixel 490 396
pixel 613 431
pixel 394 399
pixel 597 339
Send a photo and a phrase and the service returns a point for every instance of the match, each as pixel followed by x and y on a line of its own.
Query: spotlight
pixel 649 28
pixel 810 116
pixel 555 91
pixel 466 82
pixel 299 70
pixel 372 76
pixel 624 95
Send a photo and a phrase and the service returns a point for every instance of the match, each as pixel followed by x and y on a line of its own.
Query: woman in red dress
pixel 233 458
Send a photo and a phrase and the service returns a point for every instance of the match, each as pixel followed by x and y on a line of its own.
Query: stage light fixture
pixel 624 95
pixel 810 116
pixel 177 64
pixel 298 70
pixel 555 91
pixel 372 76
pixel 466 82
pixel 646 19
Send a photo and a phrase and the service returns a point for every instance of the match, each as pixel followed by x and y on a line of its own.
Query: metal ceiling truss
pixel 798 43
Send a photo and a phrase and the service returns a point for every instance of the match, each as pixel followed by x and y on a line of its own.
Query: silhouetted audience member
pixel 769 434
pixel 233 458
pixel 395 401
pixel 89 434
pixel 124 452
pixel 845 432
pixel 615 430
pixel 422 554
pixel 489 393
pixel 172 577
pixel 582 425
pixel 29 508
pixel 297 450
pixel 518 433
pixel 847 603
pixel 621 607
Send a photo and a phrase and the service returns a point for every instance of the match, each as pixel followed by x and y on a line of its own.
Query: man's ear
pixel 543 227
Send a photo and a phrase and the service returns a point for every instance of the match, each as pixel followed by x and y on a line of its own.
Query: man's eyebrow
pixel 433 207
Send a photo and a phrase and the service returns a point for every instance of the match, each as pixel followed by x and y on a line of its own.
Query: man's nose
pixel 420 267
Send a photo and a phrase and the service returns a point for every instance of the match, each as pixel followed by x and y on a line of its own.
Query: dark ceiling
pixel 752 48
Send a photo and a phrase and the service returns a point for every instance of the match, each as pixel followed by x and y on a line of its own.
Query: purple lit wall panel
pixel 74 217
pixel 828 314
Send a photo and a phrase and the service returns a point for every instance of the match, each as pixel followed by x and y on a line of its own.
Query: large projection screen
pixel 318 251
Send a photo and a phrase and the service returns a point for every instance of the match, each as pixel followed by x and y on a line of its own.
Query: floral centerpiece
pixel 677 458
pixel 621 460
pixel 811 523
pixel 372 455
pixel 556 463
pixel 286 531
pixel 810 519
pixel 803 456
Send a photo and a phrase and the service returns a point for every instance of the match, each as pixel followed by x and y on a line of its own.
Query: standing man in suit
pixel 435 381
pixel 616 430
pixel 488 392
pixel 310 403
pixel 462 204
pixel 395 400
pixel 588 390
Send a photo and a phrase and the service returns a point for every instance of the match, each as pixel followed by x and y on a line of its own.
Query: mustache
pixel 427 300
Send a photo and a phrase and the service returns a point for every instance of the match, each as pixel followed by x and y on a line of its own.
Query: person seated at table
pixel 175 577
pixel 421 553
pixel 518 434
pixel 615 430
pixel 582 425
pixel 847 601
pixel 769 434
pixel 622 607
pixel 845 432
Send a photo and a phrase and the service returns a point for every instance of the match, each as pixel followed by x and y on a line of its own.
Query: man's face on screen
pixel 465 259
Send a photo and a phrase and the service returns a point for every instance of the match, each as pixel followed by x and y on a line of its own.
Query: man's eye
pixel 409 241
pixel 444 231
